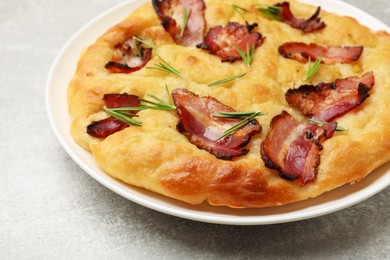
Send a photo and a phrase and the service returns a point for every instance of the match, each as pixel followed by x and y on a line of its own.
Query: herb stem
pixel 160 104
pixel 239 10
pixel 313 68
pixel 218 82
pixel 137 50
pixel 136 39
pixel 169 96
pixel 184 23
pixel 245 116
pixel 235 115
pixel 166 67
pixel 123 114
pixel 322 123
pixel 157 105
pixel 271 12
pixel 248 55
pixel 122 117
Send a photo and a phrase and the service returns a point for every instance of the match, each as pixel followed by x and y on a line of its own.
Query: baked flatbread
pixel 164 154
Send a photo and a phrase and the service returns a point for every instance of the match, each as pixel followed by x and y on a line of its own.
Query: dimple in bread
pixel 160 158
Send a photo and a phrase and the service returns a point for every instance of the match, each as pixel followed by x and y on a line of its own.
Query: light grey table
pixel 51 209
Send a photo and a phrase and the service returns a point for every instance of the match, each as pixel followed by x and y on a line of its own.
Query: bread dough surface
pixel 157 157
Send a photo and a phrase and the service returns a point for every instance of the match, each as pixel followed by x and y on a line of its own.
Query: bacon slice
pixel 327 101
pixel 121 100
pixel 223 40
pixel 105 127
pixel 110 125
pixel 330 55
pixel 172 13
pixel 126 59
pixel 311 24
pixel 201 128
pixel 293 148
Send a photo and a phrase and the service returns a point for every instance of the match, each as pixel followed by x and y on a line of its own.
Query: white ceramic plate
pixel 56 104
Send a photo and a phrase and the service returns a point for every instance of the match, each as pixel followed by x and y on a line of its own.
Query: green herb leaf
pixel 226 80
pixel 123 109
pixel 322 123
pixel 245 116
pixel 184 22
pixel 239 10
pixel 122 116
pixel 169 95
pixel 248 56
pixel 122 113
pixel 237 115
pixel 159 104
pixel 137 50
pixel 313 69
pixel 136 39
pixel 166 67
pixel 271 12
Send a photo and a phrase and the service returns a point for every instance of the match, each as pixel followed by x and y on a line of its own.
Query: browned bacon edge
pixel 330 55
pixel 194 31
pixel 222 41
pixel 311 24
pixel 105 127
pixel 197 123
pixel 293 148
pixel 125 58
pixel 327 101
pixel 111 125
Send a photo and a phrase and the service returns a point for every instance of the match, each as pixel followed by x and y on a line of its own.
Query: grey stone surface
pixel 51 209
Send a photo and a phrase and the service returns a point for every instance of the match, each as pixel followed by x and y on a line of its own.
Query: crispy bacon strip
pixel 201 128
pixel 172 13
pixel 126 59
pixel 110 125
pixel 105 127
pixel 330 55
pixel 327 101
pixel 314 23
pixel 293 148
pixel 223 40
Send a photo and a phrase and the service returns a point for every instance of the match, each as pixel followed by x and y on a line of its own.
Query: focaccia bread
pixel 164 156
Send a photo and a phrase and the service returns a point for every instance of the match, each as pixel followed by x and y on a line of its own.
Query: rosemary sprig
pixel 159 104
pixel 166 67
pixel 218 82
pixel 271 12
pixel 184 22
pixel 136 39
pixel 169 95
pixel 122 115
pixel 321 123
pixel 313 68
pixel 245 116
pixel 239 10
pixel 248 55
pixel 136 48
pixel 237 115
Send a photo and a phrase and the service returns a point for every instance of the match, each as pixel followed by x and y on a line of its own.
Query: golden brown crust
pixel 157 157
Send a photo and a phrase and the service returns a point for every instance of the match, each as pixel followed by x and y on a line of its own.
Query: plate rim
pixel 117 187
